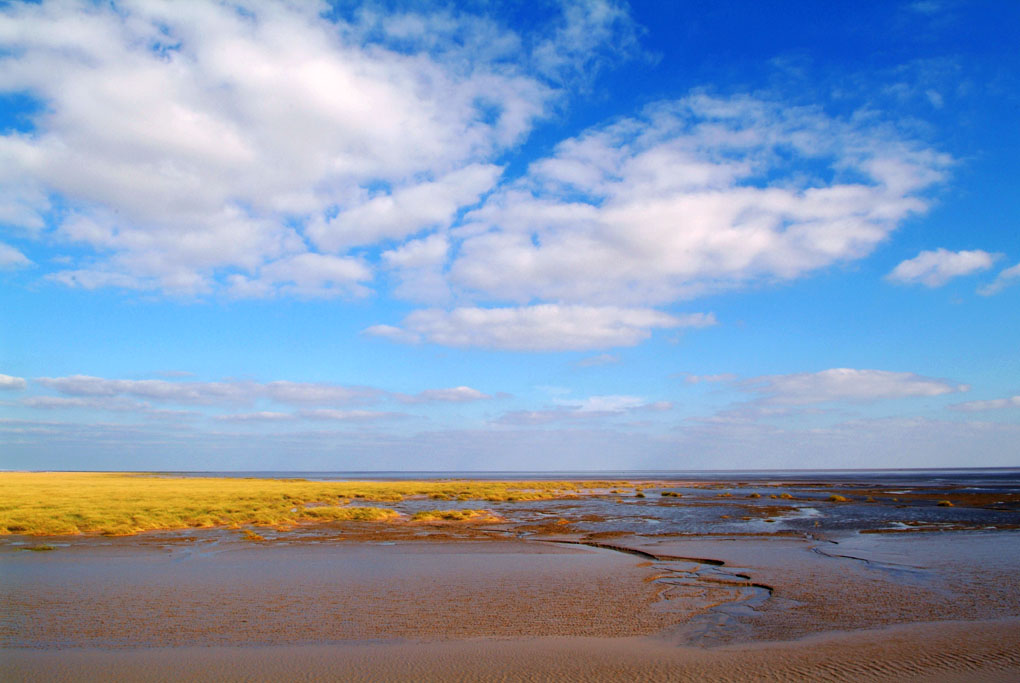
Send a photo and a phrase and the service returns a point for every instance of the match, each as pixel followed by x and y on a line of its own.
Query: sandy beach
pixel 688 581
pixel 951 652
pixel 452 609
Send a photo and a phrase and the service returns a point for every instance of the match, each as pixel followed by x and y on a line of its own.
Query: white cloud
pixel 543 327
pixel 606 404
pixel 392 333
pixel 260 416
pixel 418 264
pixel 154 389
pixel 7 382
pixel 115 404
pixel 208 393
pixel 936 268
pixel 191 142
pixel 591 34
pixel 11 257
pixel 992 404
pixel 591 408
pixel 406 211
pixel 349 415
pixel 98 402
pixel 319 393
pixel 460 394
pixel 721 377
pixel 307 275
pixel 846 384
pixel 1002 280
pixel 83 391
pixel 615 403
pixel 695 195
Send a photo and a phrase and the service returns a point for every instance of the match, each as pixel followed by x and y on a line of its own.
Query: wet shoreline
pixel 666 580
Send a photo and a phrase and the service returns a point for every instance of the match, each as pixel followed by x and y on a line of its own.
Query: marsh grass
pixel 453 516
pixel 249 535
pixel 56 503
pixel 836 498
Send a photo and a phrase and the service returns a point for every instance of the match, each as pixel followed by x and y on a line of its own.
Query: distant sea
pixel 978 476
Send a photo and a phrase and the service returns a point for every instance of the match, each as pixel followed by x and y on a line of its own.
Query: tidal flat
pixel 813 576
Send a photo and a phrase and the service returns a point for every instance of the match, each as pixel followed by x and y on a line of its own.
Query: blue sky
pixel 566 235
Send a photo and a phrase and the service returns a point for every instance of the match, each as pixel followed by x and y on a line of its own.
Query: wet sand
pixel 477 608
pixel 230 592
pixel 950 652
pixel 730 580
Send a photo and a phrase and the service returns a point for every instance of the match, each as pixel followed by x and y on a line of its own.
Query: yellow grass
pixel 453 516
pixel 250 535
pixel 52 503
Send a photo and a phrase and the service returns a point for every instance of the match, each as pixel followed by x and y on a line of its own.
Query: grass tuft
pixel 250 535
pixel 945 504
pixel 453 516
pixel 836 498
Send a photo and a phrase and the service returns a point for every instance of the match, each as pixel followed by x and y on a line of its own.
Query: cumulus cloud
pixel 543 327
pixel 205 145
pixel 12 383
pixel 11 257
pixel 418 265
pixel 406 211
pixel 936 268
pixel 992 404
pixel 307 275
pixel 846 384
pixel 1002 280
pixel 695 195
